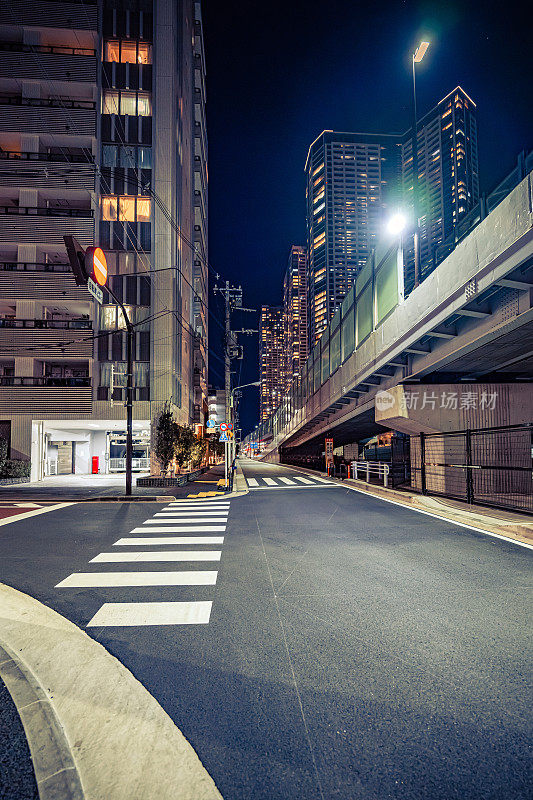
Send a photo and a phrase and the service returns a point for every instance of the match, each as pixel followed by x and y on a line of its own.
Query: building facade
pixel 102 136
pixel 295 312
pixel 352 180
pixel 272 359
pixel 448 174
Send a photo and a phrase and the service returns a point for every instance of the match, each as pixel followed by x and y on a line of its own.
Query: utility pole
pixel 232 300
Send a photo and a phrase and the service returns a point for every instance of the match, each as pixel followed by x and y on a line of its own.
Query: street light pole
pixel 242 386
pixel 417 57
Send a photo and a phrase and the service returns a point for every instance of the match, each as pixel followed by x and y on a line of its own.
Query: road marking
pixel 185 529
pixel 83 580
pixel 252 482
pixel 197 512
pixel 128 614
pixel 323 480
pixel 183 520
pixel 142 540
pixel 303 480
pixel 270 481
pixel 158 555
pixel 34 513
pixel 198 506
pixel 287 480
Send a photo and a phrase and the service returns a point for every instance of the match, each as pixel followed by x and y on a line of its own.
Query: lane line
pixel 34 513
pixel 252 482
pixel 142 540
pixel 270 481
pixel 85 580
pixel 158 555
pixel 128 614
pixel 185 529
pixel 288 481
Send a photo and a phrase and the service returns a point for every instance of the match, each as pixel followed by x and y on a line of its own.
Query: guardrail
pixel 119 464
pixel 369 468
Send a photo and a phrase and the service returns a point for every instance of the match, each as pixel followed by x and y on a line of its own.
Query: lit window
pixel 126 209
pixel 128 52
pixel 145 105
pixel 109 208
pixel 143 209
pixel 128 104
pixel 112 51
pixel 110 103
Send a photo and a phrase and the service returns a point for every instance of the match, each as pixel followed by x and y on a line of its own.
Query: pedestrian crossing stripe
pixel 138 614
pixel 295 482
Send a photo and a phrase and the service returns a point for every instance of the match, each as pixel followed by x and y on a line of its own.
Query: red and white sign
pixel 329 451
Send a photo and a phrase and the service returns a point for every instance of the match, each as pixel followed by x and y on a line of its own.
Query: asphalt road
pixel 355 649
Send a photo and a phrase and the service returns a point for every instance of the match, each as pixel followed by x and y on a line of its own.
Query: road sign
pixel 223 437
pixel 95 290
pixel 96 264
pixel 224 426
pixel 230 426
pixel 211 423
pixel 329 451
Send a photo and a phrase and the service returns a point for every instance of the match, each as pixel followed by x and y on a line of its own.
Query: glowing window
pixel 143 209
pixel 126 209
pixel 128 52
pixel 128 104
pixel 109 208
pixel 110 103
pixel 112 51
pixel 145 105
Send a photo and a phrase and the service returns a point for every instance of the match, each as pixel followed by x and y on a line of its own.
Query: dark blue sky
pixel 279 73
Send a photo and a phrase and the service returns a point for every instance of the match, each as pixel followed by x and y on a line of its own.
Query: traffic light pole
pixel 129 391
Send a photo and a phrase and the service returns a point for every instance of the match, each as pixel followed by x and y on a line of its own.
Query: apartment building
pixel 102 136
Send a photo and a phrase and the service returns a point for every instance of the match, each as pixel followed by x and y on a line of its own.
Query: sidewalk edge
pixel 54 767
pixel 122 743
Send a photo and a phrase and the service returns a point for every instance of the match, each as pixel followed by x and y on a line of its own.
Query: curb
pixel 89 716
pixel 54 767
pixel 516 532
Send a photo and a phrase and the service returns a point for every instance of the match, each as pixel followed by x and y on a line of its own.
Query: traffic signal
pixel 86 264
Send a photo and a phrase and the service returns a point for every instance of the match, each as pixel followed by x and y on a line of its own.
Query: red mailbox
pixel 95 465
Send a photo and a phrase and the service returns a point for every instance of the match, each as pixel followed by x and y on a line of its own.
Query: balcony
pixel 42 337
pixel 19 225
pixel 51 115
pixel 45 381
pixel 53 283
pixel 37 400
pixel 18 169
pixel 81 16
pixel 47 66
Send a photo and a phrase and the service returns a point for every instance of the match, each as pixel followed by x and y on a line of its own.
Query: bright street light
pixel 396 224
pixel 420 52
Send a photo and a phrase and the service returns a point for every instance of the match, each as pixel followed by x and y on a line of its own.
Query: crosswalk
pixel 294 482
pixel 167 550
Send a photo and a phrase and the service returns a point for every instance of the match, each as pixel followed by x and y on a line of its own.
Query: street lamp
pixel 396 224
pixel 417 57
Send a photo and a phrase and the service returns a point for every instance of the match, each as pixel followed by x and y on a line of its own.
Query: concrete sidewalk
pixel 94 732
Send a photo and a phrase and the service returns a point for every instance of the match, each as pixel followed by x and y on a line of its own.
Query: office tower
pixel 352 179
pixel 295 312
pixel 448 177
pixel 102 136
pixel 272 360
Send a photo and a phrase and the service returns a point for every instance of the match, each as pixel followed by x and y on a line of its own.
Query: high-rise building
pixel 272 361
pixel 352 178
pixel 295 312
pixel 102 136
pixel 448 176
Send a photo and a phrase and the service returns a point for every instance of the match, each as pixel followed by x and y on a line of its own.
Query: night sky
pixel 280 73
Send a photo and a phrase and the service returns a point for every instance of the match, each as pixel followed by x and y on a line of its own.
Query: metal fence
pixel 486 466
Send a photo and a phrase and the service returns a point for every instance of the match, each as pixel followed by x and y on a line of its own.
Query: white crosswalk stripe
pixel 128 541
pixel 158 555
pixel 295 481
pixel 83 580
pixel 166 528
pixel 183 529
pixel 303 480
pixel 132 614
pixel 270 481
pixel 252 482
pixel 288 481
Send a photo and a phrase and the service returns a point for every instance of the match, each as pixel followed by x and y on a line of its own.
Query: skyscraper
pixel 102 135
pixel 448 176
pixel 352 178
pixel 272 360
pixel 295 312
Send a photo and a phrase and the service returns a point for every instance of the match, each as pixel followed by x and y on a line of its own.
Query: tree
pixel 184 443
pixel 198 451
pixel 165 438
pixel 216 448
